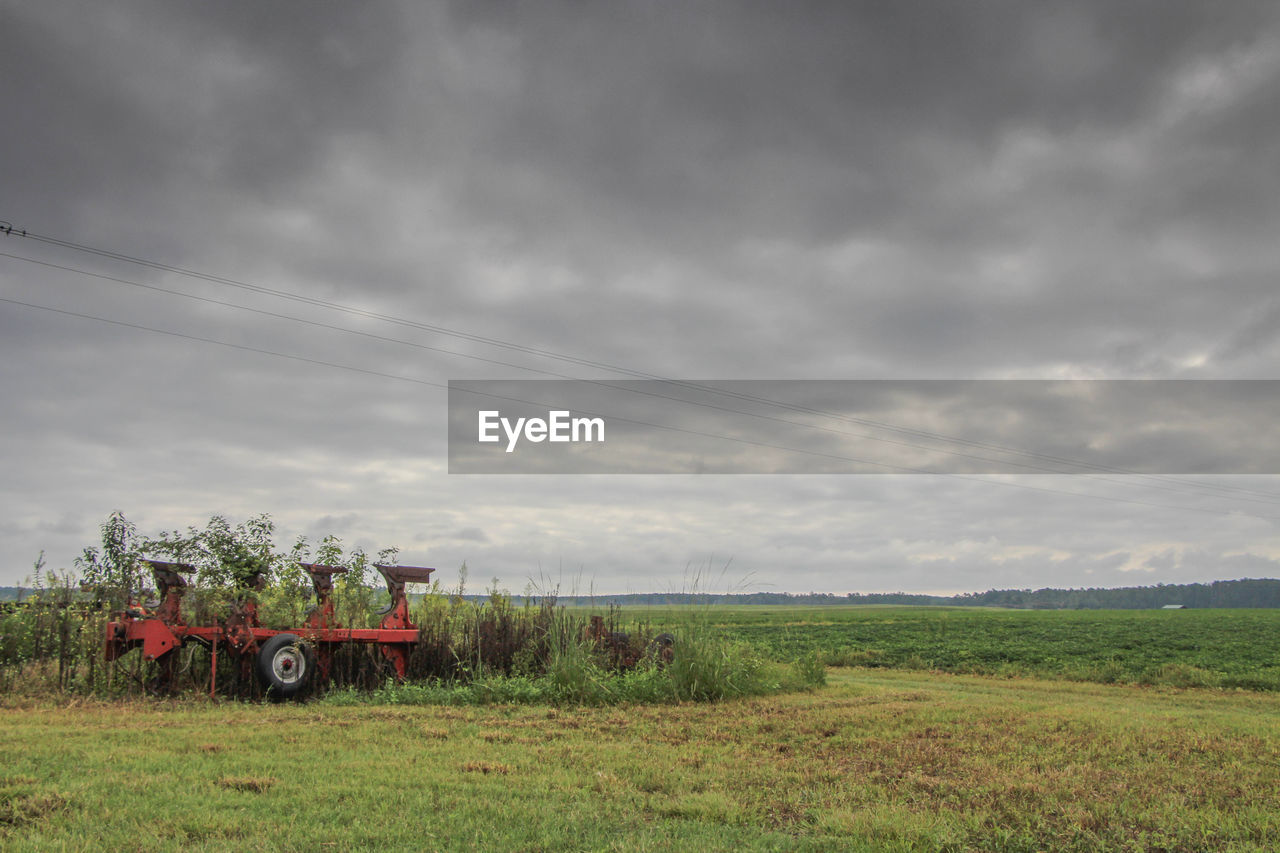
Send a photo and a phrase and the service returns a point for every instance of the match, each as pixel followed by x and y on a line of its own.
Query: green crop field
pixel 1187 648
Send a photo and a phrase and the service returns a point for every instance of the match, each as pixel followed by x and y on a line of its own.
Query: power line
pixel 335 306
pixel 288 317
pixel 244 347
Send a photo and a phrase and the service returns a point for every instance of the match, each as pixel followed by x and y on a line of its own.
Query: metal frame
pixel 160 633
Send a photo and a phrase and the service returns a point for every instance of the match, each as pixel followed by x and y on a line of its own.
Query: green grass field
pixel 878 760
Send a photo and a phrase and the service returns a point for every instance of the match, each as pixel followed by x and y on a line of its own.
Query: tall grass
pixel 542 654
pixel 52 641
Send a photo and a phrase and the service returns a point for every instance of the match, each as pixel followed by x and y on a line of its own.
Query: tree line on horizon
pixel 1247 592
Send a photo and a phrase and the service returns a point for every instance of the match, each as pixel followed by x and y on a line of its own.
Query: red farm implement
pixel 287 662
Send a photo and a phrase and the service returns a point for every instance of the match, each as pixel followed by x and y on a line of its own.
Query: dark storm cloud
pixel 811 122
pixel 953 143
pixel 590 162
pixel 702 190
pixel 121 103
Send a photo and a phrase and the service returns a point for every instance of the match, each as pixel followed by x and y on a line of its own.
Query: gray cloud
pixel 808 191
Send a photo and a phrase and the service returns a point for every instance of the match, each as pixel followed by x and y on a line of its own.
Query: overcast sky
pixel 690 190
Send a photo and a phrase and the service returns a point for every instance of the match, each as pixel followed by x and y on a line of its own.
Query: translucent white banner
pixel 864 427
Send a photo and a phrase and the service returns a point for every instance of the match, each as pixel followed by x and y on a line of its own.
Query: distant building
pixel 1174 607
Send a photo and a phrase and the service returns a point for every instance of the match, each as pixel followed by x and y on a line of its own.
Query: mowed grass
pixel 1183 648
pixel 878 760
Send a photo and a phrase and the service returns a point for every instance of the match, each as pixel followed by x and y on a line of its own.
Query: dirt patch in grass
pixel 486 767
pixel 249 784
pixel 22 809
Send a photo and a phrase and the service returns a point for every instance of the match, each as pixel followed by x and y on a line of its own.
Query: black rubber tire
pixel 661 649
pixel 286 665
pixel 662 641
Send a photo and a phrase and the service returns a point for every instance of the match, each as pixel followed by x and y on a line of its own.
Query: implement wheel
pixel 286 665
pixel 661 649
